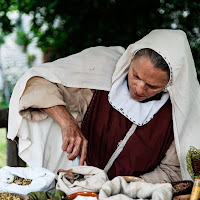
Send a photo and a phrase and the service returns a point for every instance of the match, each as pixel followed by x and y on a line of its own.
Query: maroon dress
pixel 104 127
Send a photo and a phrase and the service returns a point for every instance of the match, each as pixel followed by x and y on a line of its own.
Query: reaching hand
pixel 74 143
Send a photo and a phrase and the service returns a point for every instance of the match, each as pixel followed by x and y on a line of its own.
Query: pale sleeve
pixel 41 93
pixel 168 170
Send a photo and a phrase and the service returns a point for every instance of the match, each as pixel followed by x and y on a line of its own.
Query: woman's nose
pixel 140 88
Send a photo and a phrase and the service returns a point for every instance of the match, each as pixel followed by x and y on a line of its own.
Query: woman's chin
pixel 137 98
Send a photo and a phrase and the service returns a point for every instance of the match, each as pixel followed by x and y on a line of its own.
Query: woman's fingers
pixel 76 149
pixel 83 152
pixel 65 143
pixel 70 146
pixel 74 143
pixel 79 148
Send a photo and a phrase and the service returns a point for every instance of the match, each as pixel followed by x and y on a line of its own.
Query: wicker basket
pixel 196 166
pixel 193 162
pixel 182 187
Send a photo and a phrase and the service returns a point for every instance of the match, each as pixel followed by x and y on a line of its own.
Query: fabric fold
pixel 91 180
pixel 118 189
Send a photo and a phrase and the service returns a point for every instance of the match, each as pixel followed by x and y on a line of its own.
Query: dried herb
pixel 21 181
pixel 8 196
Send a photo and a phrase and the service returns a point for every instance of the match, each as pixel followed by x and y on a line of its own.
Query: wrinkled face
pixel 144 79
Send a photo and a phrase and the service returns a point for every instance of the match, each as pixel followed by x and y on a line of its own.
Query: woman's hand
pixel 74 143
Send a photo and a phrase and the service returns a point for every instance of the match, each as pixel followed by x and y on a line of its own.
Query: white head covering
pixel 184 89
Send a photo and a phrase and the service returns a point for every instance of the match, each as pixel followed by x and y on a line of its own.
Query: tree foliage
pixel 5 7
pixel 66 27
pixel 73 25
pixel 184 15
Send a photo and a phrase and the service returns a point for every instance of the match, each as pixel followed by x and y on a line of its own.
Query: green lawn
pixel 2 147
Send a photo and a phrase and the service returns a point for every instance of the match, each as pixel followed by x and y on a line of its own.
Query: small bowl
pixel 132 179
pixel 86 194
pixel 182 197
pixel 182 187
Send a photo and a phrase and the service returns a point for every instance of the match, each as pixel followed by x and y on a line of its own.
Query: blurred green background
pixel 64 27
pixel 2 147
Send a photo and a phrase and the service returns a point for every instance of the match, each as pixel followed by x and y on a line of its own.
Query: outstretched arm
pixel 74 143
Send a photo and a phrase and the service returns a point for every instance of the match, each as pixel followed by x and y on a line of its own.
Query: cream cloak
pixel 93 68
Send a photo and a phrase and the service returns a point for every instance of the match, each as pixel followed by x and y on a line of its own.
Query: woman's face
pixel 144 79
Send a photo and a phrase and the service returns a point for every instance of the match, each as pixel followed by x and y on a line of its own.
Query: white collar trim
pixel 137 112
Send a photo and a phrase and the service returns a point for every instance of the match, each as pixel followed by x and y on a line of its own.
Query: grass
pixel 2 147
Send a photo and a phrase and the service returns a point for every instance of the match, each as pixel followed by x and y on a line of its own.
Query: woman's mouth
pixel 137 95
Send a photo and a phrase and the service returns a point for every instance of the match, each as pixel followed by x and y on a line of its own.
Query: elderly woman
pixel 119 110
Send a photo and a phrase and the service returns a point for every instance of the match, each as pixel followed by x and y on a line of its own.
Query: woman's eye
pixel 136 76
pixel 152 87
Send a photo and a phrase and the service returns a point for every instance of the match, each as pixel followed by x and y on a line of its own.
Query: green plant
pixel 23 39
pixel 3 103
pixel 2 147
pixel 1 38
pixel 31 59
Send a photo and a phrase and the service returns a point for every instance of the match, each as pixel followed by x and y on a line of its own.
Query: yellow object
pixel 182 197
pixel 196 189
pixel 8 196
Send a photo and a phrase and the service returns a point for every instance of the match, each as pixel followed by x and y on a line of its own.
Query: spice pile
pixel 182 187
pixel 8 196
pixel 21 181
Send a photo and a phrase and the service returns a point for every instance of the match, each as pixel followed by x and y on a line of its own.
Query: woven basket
pixel 196 166
pixel 182 187
pixel 193 162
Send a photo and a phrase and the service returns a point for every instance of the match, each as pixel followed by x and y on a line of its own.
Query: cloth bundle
pixel 42 179
pixel 91 180
pixel 118 189
pixel 88 178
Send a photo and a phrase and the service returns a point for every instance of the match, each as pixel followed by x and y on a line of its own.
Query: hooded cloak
pixel 94 68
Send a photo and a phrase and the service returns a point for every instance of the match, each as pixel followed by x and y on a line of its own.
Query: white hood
pixel 91 68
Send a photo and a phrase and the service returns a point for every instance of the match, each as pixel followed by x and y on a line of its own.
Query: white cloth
pixel 93 68
pixel 118 189
pixel 137 112
pixel 42 179
pixel 94 178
